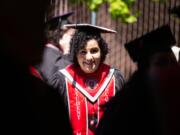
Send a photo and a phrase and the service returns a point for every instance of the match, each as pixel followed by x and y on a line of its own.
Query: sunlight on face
pixel 89 57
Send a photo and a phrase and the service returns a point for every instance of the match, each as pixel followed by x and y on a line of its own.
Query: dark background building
pixel 153 15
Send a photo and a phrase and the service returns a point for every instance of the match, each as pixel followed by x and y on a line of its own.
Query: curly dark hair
pixel 79 41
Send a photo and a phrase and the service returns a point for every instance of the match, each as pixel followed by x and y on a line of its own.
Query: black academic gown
pixel 52 60
pixel 64 61
pixel 28 105
pixel 146 105
pixel 58 81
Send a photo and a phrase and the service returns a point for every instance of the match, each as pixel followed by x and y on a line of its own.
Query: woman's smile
pixel 89 57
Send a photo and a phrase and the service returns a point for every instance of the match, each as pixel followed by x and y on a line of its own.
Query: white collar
pixel 176 50
pixel 52 46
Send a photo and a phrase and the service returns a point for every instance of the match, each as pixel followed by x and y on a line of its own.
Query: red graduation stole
pixel 35 72
pixel 85 94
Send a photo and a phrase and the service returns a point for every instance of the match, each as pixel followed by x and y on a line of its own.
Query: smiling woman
pixel 89 57
pixel 89 83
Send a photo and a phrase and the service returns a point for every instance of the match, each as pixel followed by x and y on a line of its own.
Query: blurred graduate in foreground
pixel 28 106
pixel 148 104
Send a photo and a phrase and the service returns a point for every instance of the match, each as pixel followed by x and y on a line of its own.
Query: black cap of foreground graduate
pixel 158 40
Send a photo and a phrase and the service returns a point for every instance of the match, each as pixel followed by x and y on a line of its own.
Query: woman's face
pixel 89 57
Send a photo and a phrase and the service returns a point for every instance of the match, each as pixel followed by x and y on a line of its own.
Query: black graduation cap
pixel 90 28
pixel 175 11
pixel 58 21
pixel 158 40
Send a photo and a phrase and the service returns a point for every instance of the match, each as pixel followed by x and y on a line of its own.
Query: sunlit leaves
pixel 94 4
pixel 118 9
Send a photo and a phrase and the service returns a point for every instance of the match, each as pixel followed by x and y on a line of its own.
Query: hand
pixel 64 42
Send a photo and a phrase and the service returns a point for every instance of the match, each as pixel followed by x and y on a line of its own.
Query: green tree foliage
pixel 119 9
